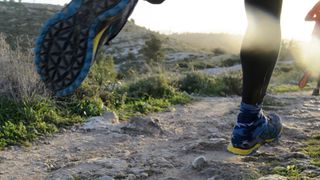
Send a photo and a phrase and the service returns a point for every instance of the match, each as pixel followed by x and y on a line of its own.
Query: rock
pixel 105 178
pixel 279 169
pixel 2 159
pixel 113 117
pixel 170 178
pixel 217 177
pixel 218 141
pixel 212 178
pixel 199 163
pixel 136 171
pixel 131 177
pixel 143 126
pixel 101 122
pixel 273 177
pixel 63 130
pixel 144 175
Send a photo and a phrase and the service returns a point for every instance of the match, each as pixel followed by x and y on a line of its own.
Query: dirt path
pixel 199 129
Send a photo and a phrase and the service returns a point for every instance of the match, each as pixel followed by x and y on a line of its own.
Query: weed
pixel 153 86
pixel 290 171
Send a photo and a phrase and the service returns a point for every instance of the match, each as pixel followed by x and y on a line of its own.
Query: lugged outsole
pixel 64 60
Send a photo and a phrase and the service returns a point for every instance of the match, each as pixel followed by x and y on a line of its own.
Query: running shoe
pixel 246 139
pixel 68 42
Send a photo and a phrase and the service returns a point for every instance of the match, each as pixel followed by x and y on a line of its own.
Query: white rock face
pixel 101 122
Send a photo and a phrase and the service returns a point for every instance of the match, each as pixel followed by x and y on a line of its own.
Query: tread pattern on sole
pixel 64 48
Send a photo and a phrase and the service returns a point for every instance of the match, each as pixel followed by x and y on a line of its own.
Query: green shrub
pixel 25 120
pixel 180 98
pixel 219 51
pixel 154 87
pixel 282 88
pixel 202 65
pixel 129 70
pixel 103 71
pixel 291 171
pixel 197 83
pixel 87 106
pixel 203 84
pixel 230 62
pixel 152 49
pixel 148 105
pixel 232 84
pixel 114 99
pixel 12 134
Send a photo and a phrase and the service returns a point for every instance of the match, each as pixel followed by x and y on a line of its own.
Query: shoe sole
pixel 253 150
pixel 68 42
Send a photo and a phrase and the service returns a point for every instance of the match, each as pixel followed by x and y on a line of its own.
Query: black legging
pixel 260 47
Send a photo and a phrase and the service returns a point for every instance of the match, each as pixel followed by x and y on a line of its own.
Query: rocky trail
pixel 186 142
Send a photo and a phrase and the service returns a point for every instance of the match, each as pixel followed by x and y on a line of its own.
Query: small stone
pixel 279 169
pixel 144 175
pixel 73 129
pixel 2 159
pixel 218 141
pixel 136 171
pixel 131 177
pixel 101 122
pixel 199 163
pixel 212 178
pixel 105 178
pixel 216 177
pixel 112 116
pixel 46 142
pixel 170 178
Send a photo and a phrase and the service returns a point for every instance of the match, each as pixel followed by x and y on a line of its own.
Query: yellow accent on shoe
pixel 243 152
pixel 269 140
pixel 97 39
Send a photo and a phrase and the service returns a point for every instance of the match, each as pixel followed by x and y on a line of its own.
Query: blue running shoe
pixel 247 138
pixel 68 42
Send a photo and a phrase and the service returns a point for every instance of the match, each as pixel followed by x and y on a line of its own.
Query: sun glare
pixel 227 16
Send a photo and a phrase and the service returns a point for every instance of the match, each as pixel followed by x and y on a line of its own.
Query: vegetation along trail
pixel 168 145
pixel 145 135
